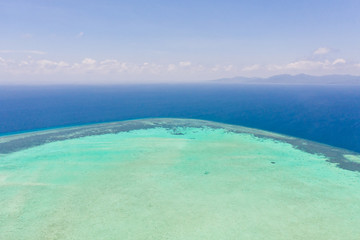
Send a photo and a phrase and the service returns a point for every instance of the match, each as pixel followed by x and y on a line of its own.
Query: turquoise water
pixel 174 179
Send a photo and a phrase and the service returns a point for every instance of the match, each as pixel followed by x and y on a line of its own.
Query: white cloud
pixel 109 69
pixel 321 51
pixel 312 67
pixel 184 64
pixel 251 68
pixel 222 68
pixel 44 63
pixel 171 67
pixel 339 61
pixel 115 71
pixel 24 52
pixel 307 64
pixel 228 68
pixel 88 61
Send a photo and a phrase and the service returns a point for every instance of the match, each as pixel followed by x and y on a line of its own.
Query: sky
pixel 151 41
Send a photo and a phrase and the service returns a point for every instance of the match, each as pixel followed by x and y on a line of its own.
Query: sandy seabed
pixel 174 179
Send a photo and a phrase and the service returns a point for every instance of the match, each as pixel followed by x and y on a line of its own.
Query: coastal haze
pixel 300 79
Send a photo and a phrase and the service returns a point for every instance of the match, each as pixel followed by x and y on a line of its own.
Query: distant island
pixel 299 79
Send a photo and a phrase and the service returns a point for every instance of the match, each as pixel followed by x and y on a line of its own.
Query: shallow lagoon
pixel 175 179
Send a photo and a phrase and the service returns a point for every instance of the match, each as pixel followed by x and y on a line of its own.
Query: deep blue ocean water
pixel 326 114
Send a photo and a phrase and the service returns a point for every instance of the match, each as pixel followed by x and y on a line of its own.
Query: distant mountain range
pixel 300 79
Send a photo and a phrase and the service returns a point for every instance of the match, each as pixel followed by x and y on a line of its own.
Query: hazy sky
pixel 108 41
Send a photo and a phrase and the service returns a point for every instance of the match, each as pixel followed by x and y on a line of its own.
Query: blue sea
pixel 325 114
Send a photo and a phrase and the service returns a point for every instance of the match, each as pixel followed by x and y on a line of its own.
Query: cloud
pixel 312 67
pixel 251 68
pixel 184 64
pixel 24 52
pixel 307 64
pixel 171 67
pixel 339 61
pixel 88 61
pixel 109 69
pixel 321 51
pixel 228 68
pixel 222 68
pixel 115 71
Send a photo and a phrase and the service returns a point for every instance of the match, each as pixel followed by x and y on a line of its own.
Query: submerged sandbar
pixel 175 179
